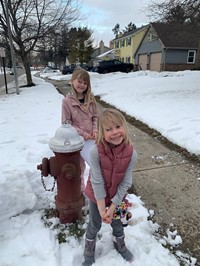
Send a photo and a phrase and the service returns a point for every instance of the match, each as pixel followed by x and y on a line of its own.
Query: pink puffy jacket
pixel 82 118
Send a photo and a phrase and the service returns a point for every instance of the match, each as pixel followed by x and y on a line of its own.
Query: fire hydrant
pixel 65 168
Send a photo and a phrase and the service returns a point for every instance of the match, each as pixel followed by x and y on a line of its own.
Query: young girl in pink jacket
pixel 79 108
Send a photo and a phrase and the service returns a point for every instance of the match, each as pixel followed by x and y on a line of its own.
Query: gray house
pixel 100 50
pixel 169 47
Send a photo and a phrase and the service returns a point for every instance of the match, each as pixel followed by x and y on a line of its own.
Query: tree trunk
pixel 26 63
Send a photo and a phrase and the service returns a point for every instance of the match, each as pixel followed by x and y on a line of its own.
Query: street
pixel 9 78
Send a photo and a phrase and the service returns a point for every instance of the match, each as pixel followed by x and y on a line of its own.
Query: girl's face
pixel 114 133
pixel 80 86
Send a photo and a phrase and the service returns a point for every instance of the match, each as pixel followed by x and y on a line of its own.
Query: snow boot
pixel 120 246
pixel 89 252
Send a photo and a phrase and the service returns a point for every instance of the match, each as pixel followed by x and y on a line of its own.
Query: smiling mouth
pixel 117 138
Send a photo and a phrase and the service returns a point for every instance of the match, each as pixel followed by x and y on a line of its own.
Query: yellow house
pixel 125 45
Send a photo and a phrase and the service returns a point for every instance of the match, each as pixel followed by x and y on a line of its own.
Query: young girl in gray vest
pixel 79 108
pixel 112 160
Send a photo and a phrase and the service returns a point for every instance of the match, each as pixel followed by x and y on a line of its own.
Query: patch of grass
pixel 63 231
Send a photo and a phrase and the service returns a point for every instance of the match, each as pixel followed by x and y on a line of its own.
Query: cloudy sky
pixel 103 15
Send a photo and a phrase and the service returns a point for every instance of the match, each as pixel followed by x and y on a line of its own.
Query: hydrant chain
pixel 51 189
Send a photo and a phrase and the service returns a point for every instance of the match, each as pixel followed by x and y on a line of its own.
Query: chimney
pixel 101 47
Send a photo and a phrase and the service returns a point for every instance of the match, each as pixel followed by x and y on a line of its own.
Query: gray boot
pixel 89 252
pixel 120 246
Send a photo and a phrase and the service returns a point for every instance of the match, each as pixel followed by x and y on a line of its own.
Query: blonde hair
pixel 111 115
pixel 80 73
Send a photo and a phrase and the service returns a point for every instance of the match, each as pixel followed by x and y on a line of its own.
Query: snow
pixel 167 102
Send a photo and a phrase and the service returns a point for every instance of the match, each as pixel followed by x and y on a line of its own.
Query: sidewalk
pixel 167 183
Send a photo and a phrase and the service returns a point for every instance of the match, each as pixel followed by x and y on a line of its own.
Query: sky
pixel 167 102
pixel 102 16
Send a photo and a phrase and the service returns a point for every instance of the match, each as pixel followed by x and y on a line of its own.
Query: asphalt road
pixel 8 79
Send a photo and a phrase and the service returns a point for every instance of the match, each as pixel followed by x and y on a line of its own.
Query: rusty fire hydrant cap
pixel 66 140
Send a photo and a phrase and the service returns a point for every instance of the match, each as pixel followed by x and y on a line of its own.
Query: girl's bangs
pixel 84 76
pixel 111 118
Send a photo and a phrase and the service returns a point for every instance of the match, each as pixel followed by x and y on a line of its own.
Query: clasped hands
pixel 107 215
pixel 92 136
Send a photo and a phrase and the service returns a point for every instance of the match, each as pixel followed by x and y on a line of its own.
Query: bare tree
pixel 31 21
pixel 175 11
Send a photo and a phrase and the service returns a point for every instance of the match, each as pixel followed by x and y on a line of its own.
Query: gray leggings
pixel 95 222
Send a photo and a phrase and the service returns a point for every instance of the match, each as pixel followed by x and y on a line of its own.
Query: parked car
pixel 87 67
pixel 12 70
pixel 68 69
pixel 114 65
pixel 50 70
pixel 20 67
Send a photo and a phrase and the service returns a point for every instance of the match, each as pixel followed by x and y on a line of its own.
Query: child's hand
pixel 103 216
pixel 87 136
pixel 109 215
pixel 107 218
pixel 94 135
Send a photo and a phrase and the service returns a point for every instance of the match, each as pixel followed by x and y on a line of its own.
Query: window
pixel 128 59
pixel 128 41
pixel 191 56
pixel 122 43
pixel 152 37
pixel 117 44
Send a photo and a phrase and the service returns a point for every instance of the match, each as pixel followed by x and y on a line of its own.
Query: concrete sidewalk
pixel 167 182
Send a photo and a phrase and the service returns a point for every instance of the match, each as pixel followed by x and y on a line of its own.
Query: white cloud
pixel 102 16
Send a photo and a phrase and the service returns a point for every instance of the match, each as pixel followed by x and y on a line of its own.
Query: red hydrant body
pixel 65 167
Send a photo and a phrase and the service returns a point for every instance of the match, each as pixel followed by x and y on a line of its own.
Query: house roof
pixel 177 35
pixel 130 33
pixel 106 53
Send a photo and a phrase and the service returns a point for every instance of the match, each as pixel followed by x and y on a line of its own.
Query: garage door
pixel 143 60
pixel 155 61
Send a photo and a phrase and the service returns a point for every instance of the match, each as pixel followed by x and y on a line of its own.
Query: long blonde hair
pixel 80 73
pixel 111 115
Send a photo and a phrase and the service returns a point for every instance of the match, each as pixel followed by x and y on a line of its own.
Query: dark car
pixel 114 65
pixel 87 67
pixel 68 69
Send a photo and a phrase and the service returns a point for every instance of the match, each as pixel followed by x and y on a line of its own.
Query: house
pixel 100 53
pixel 169 47
pixel 126 44
pixel 99 50
pixel 104 56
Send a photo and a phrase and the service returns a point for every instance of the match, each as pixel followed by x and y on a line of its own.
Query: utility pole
pixel 11 48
